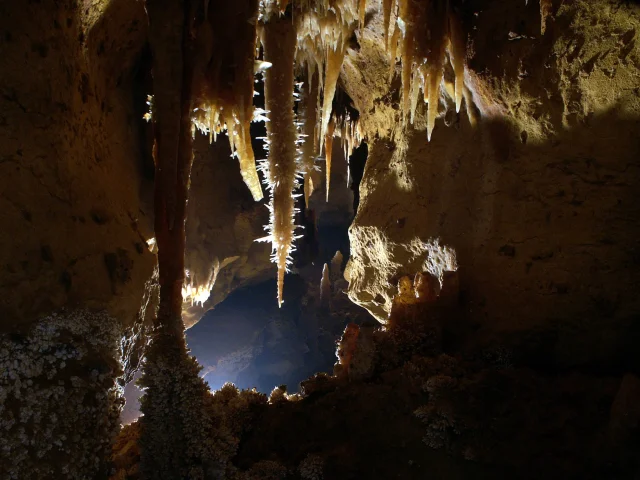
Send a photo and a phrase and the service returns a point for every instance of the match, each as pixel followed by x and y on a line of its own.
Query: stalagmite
pixel 279 43
pixel 347 347
pixel 328 140
pixel 325 287
pixel 406 26
pixel 336 266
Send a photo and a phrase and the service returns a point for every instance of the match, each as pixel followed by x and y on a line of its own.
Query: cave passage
pixel 408 230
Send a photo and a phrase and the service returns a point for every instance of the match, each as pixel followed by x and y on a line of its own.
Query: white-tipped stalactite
pixel 278 38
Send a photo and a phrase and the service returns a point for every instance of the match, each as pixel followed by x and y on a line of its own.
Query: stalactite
pixel 457 52
pixel 424 32
pixel 225 97
pixel 323 31
pixel 279 43
pixel 283 5
pixel 350 135
pixel 393 48
pixel 386 11
pixel 468 98
pixel 309 116
pixel 335 56
pixel 545 11
pixel 325 287
pixel 406 26
pixel 328 140
pixel 362 10
pixel 435 49
pixel 415 92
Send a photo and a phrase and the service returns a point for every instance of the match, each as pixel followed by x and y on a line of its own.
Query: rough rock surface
pixel 71 175
pixel 539 200
pixel 403 404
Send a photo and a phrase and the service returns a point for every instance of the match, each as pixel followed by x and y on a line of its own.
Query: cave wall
pixel 71 185
pixel 538 200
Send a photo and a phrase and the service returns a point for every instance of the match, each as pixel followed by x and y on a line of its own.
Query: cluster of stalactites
pixel 350 136
pixel 278 37
pixel 224 71
pixel 423 35
pixel 339 124
pixel 308 111
pixel 323 31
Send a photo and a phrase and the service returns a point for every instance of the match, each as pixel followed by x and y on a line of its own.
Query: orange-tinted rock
pixel 426 287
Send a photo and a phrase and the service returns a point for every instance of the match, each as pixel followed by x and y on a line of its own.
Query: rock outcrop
pixel 538 199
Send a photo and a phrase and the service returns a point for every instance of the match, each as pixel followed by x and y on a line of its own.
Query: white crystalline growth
pixel 59 399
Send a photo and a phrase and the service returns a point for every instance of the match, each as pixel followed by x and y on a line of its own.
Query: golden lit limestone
pixel 279 43
pixel 314 34
pixel 325 287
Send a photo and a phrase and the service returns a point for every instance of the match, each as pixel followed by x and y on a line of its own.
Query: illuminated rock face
pixel 537 199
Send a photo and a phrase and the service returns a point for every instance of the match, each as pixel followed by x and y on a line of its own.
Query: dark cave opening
pixel 251 342
pixel 357 161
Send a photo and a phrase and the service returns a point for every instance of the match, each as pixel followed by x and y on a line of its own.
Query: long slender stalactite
pixel 279 43
pixel 309 115
pixel 328 154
